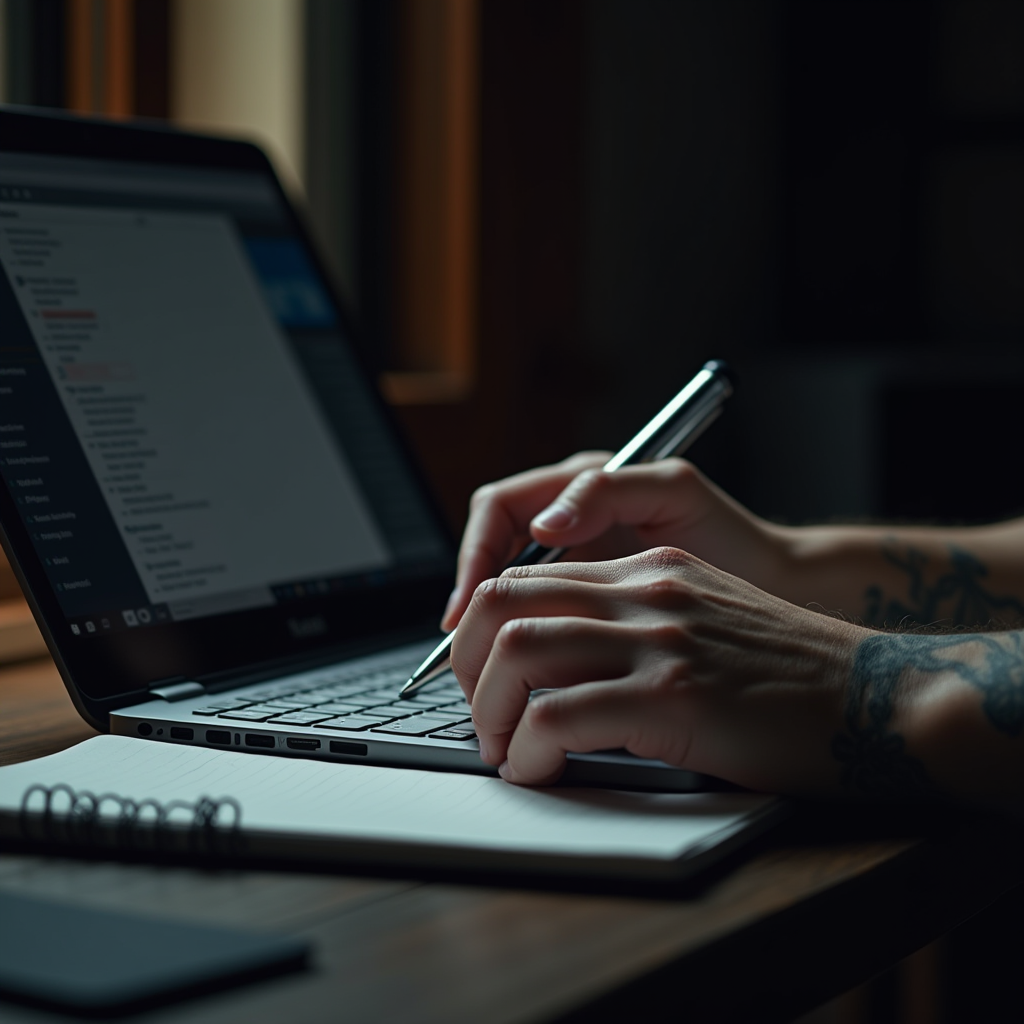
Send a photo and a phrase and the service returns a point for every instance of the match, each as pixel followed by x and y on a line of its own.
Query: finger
pixel 500 513
pixel 655 496
pixel 541 654
pixel 509 598
pixel 593 716
pixel 637 567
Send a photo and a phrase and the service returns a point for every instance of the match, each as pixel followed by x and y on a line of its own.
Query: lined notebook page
pixel 346 801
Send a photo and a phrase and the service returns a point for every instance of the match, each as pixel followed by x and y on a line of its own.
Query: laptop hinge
pixel 178 691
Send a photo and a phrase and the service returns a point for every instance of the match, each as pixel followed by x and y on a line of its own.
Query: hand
pixel 658 653
pixel 602 515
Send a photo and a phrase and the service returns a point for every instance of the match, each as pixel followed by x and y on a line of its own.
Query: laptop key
pixel 389 712
pixel 299 718
pixel 370 700
pixel 275 692
pixel 427 702
pixel 459 732
pixel 335 693
pixel 247 715
pixel 351 723
pixel 229 703
pixel 340 708
pixel 418 708
pixel 419 725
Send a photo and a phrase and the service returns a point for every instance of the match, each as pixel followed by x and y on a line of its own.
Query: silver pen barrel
pixel 670 433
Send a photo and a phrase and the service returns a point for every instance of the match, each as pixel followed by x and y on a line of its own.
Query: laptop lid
pixel 198 476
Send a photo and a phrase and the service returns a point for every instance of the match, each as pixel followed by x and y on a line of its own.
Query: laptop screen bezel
pixel 108 671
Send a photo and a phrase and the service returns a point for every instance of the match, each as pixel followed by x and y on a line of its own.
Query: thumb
pixel 584 510
pixel 658 494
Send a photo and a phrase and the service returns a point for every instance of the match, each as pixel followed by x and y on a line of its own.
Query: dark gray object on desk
pixel 96 962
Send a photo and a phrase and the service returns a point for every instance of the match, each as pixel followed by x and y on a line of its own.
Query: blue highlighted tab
pixel 292 287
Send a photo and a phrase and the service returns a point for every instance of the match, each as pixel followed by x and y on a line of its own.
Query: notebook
pixel 221 533
pixel 113 791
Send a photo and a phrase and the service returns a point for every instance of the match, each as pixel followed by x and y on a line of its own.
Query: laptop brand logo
pixel 315 625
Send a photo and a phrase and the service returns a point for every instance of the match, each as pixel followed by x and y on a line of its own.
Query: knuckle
pixel 667 636
pixel 591 482
pixel 673 678
pixel 515 636
pixel 492 594
pixel 516 572
pixel 679 472
pixel 666 593
pixel 664 559
pixel 542 714
pixel 483 495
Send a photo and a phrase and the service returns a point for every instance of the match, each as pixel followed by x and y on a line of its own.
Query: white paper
pixel 305 797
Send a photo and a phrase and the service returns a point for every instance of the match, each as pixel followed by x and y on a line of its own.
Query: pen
pixel 671 432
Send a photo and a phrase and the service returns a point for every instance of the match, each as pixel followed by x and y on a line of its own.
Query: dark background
pixel 828 193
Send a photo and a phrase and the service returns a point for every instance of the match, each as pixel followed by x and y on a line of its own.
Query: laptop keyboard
pixel 354 703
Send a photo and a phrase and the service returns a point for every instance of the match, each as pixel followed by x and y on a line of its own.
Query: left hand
pixel 658 653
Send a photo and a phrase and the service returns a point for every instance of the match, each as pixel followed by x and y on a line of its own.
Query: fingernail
pixel 505 771
pixel 555 517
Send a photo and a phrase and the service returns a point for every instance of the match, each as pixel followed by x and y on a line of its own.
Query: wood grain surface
pixel 36 713
pixel 806 914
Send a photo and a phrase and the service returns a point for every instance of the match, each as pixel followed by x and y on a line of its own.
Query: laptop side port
pixel 346 747
pixel 181 732
pixel 220 736
pixel 254 739
pixel 302 743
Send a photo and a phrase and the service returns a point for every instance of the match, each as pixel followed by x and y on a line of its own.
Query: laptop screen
pixel 184 430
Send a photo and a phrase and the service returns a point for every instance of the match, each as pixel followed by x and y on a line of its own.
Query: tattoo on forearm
pixel 1001 680
pixel 874 756
pixel 874 759
pixel 957 597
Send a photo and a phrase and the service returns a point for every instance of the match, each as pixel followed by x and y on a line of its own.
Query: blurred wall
pixel 830 195
pixel 237 67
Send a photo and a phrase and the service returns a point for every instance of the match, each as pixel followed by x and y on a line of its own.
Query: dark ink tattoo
pixel 957 597
pixel 1001 680
pixel 874 758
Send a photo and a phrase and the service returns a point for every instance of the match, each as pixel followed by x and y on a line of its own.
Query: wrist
pixel 930 716
pixel 960 720
pixel 827 566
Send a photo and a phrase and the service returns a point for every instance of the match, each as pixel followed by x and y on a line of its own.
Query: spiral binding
pixel 110 820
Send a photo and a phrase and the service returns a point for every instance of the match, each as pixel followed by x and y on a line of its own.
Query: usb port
pixel 303 743
pixel 221 736
pixel 181 732
pixel 345 747
pixel 253 739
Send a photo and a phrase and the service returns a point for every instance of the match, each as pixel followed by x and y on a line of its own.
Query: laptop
pixel 223 538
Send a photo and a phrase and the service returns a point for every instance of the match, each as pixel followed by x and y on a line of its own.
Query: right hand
pixel 601 516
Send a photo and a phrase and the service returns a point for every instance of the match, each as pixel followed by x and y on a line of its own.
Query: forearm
pixel 893 576
pixel 932 717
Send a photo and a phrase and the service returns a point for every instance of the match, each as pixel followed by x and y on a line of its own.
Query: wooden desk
pixel 808 914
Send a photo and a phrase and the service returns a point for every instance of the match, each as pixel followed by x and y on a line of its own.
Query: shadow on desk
pixel 970 976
